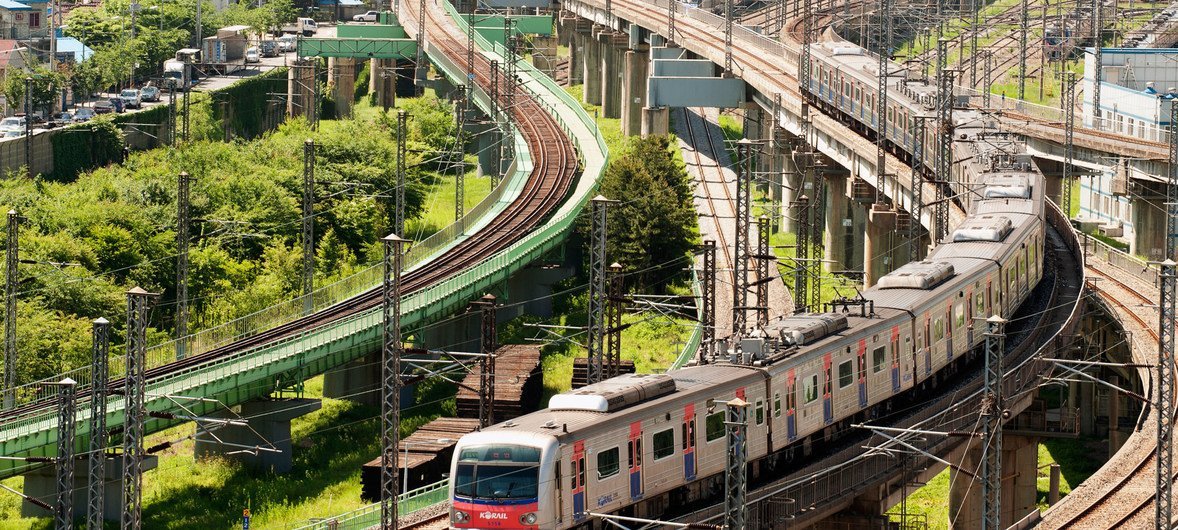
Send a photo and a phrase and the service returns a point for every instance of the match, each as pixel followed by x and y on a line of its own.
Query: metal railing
pixel 369 516
pixel 1124 261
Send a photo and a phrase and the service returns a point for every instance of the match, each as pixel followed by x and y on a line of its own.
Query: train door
pixel 949 330
pixel 689 442
pixel 559 491
pixel 634 449
pixel 969 322
pixel 791 405
pixel 577 472
pixel 895 359
pixel 827 404
pixel 928 345
pixel 862 357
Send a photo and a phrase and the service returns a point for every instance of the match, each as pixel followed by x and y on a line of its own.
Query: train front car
pixel 499 480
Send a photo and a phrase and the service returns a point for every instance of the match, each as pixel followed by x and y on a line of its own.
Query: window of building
pixel 34 20
pixel 878 359
pixel 664 443
pixel 714 426
pixel 846 374
pixel 607 463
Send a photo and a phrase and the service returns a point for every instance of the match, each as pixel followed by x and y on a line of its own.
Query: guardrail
pixel 1128 263
pixel 369 516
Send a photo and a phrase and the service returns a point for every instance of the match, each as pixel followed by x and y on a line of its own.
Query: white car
pixel 252 55
pixel 132 98
pixel 287 43
pixel 13 123
pixel 370 16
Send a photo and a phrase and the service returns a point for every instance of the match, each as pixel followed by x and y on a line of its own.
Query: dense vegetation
pixel 89 240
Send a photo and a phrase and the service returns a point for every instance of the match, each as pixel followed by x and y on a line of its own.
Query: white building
pixel 1137 88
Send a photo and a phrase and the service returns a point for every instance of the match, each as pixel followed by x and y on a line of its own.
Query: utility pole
pixel 96 483
pixel 52 12
pixel 1069 112
pixel 613 322
pixel 671 9
pixel 740 262
pixel 199 31
pixel 881 139
pixel 916 192
pixel 134 390
pixel 763 259
pixel 309 225
pixel 487 362
pixel 29 127
pixel 497 152
pixel 187 85
pixel 464 92
pixel 1097 59
pixel 975 9
pixel 992 410
pixel 391 349
pixel 1165 412
pixel 707 344
pixel 802 254
pixel 183 217
pixel 735 480
pixel 1022 50
pixel 11 283
pixel 728 38
pixel 944 160
pixel 67 407
pixel 597 293
pixel 988 71
pixel 399 196
pixel 508 90
pixel 421 68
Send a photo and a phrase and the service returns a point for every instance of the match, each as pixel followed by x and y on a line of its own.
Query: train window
pixel 776 405
pixel 714 426
pixel 878 360
pixel 980 303
pixel 581 470
pixel 1031 259
pixel 961 315
pixel 846 374
pixel 683 435
pixel 664 443
pixel 1022 266
pixel 573 476
pixel 938 330
pixel 810 389
pixel 1010 283
pixel 607 463
pixel 759 412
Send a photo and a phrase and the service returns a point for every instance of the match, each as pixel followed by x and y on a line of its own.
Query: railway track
pixel 1127 502
pixel 555 170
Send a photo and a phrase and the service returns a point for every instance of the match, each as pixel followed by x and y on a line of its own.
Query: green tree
pixel 45 84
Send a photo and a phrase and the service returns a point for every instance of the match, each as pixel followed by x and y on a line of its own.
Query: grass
pixel 439 202
pixel 329 447
pixel 611 128
pixel 1074 456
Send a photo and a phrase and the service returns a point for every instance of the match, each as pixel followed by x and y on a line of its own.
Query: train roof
pixel 913 300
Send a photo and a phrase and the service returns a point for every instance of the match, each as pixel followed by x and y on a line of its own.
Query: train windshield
pixel 498 472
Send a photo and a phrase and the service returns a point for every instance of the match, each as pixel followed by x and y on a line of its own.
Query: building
pixel 24 19
pixel 1137 88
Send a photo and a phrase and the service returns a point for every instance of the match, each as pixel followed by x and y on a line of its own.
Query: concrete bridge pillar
pixel 544 54
pixel 965 493
pixel 613 50
pixel 881 224
pixel 637 64
pixel 576 44
pixel 382 81
pixel 41 484
pixel 1115 438
pixel 656 120
pixel 838 236
pixel 1087 409
pixel 791 176
pixel 591 68
pixel 300 88
pixel 268 428
pixel 1020 469
pixel 357 381
pixel 345 85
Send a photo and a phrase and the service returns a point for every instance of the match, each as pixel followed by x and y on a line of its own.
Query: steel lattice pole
pixel 183 218
pixel 740 261
pixel 134 388
pixel 1069 111
pixel 488 346
pixel 390 388
pixel 98 391
pixel 975 9
pixel 814 265
pixel 399 196
pixel 916 197
pixel 728 37
pixel 735 480
pixel 671 11
pixel 63 514
pixel 992 407
pixel 308 226
pixel 613 323
pixel 11 283
pixel 419 62
pixel 1097 59
pixel 464 92
pixel 763 260
pixel 802 254
pixel 496 119
pixel 1022 50
pixel 1165 404
pixel 881 110
pixel 987 72
pixel 597 293
pixel 707 345
pixel 944 160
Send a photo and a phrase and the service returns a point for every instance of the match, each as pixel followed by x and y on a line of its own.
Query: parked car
pixel 118 104
pixel 13 123
pixel 61 118
pixel 105 106
pixel 12 134
pixel 269 48
pixel 366 17
pixel 83 114
pixel 149 93
pixel 252 55
pixel 131 98
pixel 288 43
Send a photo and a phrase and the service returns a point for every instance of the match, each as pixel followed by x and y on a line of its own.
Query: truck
pixel 225 51
pixel 304 26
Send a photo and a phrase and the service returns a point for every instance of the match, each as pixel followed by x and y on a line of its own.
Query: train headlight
pixel 459 516
pixel 528 518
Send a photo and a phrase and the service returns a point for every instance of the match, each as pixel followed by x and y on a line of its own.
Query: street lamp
pixel 405 460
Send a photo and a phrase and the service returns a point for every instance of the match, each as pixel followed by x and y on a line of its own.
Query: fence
pixel 369 516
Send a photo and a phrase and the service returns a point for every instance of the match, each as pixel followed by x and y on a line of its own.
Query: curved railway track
pixel 555 170
pixel 1126 503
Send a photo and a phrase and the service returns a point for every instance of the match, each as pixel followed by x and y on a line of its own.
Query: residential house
pixel 23 20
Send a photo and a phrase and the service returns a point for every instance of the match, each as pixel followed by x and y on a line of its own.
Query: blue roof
pixel 13 5
pixel 350 3
pixel 69 44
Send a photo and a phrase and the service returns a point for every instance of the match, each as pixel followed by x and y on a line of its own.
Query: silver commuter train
pixel 631 444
